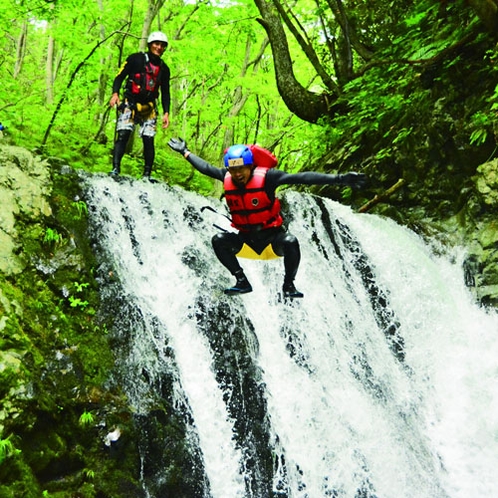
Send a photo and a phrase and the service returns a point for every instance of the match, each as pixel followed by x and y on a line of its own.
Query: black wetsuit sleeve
pixel 130 66
pixel 276 177
pixel 205 168
pixel 165 88
pixel 120 77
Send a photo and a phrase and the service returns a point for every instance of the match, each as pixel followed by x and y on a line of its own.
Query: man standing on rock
pixel 145 74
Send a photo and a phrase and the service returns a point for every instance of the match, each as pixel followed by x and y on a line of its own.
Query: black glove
pixel 354 180
pixel 178 145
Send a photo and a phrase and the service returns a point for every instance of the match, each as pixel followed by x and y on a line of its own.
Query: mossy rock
pixel 486 181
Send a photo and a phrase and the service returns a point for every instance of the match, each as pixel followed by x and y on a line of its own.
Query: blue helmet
pixel 238 155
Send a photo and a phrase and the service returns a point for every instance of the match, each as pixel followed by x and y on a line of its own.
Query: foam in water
pixel 381 382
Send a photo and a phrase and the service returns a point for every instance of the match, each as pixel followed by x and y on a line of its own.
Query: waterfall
pixel 381 382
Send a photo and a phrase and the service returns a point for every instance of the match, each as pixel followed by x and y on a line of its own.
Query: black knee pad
pixel 216 238
pixel 123 136
pixel 219 239
pixel 289 239
pixel 285 241
pixel 286 244
pixel 226 241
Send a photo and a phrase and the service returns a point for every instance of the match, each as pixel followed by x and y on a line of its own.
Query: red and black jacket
pixel 145 74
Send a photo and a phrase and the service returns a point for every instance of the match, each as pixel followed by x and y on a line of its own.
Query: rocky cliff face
pixel 25 186
pixel 481 233
pixel 475 227
pixel 58 405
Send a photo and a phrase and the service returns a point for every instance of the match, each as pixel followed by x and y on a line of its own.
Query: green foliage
pixel 86 419
pixel 416 18
pixel 52 237
pixel 494 100
pixel 223 89
pixel 56 362
pixel 77 302
pixel 427 118
pixel 208 45
pixel 89 474
pixel 81 208
pixel 482 122
pixel 7 449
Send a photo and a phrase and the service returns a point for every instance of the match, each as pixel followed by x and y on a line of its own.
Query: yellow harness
pixel 250 253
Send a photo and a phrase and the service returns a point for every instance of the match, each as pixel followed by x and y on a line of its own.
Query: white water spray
pixel 348 415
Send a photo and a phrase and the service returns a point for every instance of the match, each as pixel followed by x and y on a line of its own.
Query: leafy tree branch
pixel 71 80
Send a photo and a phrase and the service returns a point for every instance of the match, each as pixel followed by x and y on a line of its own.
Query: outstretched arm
pixel 179 145
pixel 278 177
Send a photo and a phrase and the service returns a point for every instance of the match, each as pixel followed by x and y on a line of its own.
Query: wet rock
pixel 25 185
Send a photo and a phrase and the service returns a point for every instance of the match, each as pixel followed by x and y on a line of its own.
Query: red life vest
pixel 146 84
pixel 250 206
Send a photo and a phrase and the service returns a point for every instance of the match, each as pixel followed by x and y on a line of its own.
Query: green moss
pixel 55 359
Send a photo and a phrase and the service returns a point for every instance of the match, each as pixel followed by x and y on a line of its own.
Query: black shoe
pixel 290 291
pixel 114 172
pixel 242 286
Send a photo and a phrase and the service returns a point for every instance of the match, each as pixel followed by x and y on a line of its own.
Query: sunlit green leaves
pixel 223 89
pixel 7 449
pixel 423 12
pixel 494 100
pixel 481 124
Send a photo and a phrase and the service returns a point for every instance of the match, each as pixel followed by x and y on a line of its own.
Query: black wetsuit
pixel 227 245
pixel 135 64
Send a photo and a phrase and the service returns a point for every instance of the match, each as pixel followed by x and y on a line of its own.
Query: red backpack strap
pixel 263 157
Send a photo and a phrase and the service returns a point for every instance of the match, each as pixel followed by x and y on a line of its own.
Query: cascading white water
pixel 347 414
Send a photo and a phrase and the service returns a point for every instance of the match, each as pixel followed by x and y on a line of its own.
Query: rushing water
pixel 381 382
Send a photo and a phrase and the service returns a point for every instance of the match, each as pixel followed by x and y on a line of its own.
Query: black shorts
pixel 260 240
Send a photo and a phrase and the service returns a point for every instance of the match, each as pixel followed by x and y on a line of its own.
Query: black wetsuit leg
pixel 286 245
pixel 119 149
pixel 149 154
pixel 226 245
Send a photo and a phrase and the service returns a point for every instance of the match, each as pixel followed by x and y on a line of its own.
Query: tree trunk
pixel 304 104
pixel 104 61
pixel 21 49
pixel 153 7
pixel 487 10
pixel 49 70
pixel 239 99
pixel 382 197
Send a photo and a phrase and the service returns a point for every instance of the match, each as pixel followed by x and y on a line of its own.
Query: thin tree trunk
pixel 71 80
pixel 49 70
pixel 21 49
pixel 153 8
pixel 101 98
pixel 239 99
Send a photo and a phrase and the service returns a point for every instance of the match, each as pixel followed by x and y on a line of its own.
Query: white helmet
pixel 157 36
